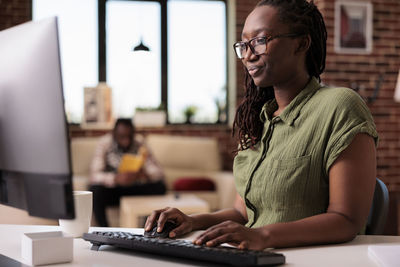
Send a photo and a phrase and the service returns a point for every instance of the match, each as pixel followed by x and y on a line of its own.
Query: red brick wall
pixel 343 70
pixel 364 70
pixel 14 12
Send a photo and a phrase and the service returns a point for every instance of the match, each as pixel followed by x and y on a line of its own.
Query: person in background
pixel 306 167
pixel 122 165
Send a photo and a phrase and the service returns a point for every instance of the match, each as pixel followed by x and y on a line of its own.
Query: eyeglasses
pixel 258 45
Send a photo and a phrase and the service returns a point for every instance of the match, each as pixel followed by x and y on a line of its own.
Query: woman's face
pixel 280 60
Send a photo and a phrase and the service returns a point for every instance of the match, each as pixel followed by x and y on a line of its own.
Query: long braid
pixel 304 18
pixel 247 119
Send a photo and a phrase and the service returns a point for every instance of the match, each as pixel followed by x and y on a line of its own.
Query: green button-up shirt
pixel 285 177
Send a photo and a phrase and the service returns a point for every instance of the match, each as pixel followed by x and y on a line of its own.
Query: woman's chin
pixel 261 82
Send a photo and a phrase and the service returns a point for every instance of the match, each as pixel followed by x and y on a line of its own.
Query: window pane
pixel 78 31
pixel 135 77
pixel 197 72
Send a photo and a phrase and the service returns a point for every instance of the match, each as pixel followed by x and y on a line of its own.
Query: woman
pixel 305 171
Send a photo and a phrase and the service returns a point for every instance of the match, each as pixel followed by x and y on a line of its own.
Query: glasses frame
pixel 267 40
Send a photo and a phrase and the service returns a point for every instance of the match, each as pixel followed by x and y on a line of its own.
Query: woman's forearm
pixel 203 221
pixel 319 229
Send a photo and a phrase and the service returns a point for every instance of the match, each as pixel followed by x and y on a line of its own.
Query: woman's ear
pixel 304 43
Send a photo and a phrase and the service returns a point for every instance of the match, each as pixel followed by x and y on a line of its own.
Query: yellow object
pixel 132 163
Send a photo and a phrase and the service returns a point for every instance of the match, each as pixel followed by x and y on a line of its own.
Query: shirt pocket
pixel 286 186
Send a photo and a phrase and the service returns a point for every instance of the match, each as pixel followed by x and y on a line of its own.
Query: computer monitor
pixel 35 164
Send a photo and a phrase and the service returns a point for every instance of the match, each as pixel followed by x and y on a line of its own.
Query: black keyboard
pixel 184 249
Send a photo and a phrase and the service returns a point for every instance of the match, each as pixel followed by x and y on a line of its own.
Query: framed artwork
pixel 353 27
pixel 97 106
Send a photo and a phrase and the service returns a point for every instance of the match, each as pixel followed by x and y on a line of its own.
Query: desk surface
pixel 354 253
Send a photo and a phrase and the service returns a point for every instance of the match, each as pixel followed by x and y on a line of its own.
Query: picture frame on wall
pixel 353 27
pixel 97 107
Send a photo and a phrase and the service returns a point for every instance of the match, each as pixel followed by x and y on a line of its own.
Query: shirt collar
pixel 292 111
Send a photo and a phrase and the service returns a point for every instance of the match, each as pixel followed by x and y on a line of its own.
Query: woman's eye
pixel 242 47
pixel 260 41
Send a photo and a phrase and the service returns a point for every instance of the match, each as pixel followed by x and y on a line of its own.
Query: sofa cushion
pixel 194 184
pixel 185 152
pixel 82 151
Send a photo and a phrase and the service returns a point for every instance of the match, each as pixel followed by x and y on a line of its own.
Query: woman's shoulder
pixel 340 103
pixel 330 93
pixel 338 97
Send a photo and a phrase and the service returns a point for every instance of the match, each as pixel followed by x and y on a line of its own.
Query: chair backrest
pixel 379 210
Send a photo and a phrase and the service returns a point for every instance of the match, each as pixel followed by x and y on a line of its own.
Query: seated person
pixel 306 167
pixel 140 175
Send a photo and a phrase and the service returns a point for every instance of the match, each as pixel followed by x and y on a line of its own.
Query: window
pixel 197 60
pixel 135 77
pixel 186 67
pixel 78 33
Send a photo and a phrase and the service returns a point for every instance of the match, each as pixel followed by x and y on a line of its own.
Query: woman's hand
pixel 234 234
pixel 159 217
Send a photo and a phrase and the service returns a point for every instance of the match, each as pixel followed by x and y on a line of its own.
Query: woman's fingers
pixel 168 214
pixel 152 219
pixel 232 233
pixel 160 217
pixel 182 229
pixel 215 231
pixel 211 234
pixel 244 245
pixel 224 238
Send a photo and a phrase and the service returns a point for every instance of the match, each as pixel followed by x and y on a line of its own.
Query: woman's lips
pixel 254 70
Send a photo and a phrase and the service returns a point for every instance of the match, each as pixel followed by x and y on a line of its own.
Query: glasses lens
pixel 259 45
pixel 240 49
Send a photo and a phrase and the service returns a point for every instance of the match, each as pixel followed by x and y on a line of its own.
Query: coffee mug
pixel 83 201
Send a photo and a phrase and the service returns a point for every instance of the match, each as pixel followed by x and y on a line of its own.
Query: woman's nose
pixel 249 55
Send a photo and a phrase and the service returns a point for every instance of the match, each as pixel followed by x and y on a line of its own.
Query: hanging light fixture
pixel 141 46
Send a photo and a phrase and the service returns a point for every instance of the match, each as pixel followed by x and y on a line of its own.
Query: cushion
pixel 194 184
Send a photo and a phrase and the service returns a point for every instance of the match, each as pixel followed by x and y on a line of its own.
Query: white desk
pixel 352 254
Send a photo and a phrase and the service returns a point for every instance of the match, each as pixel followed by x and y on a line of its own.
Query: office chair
pixel 379 210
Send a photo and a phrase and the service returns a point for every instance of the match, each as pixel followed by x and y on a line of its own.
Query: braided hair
pixel 303 17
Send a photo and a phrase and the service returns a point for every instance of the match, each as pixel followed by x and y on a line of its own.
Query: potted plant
pixel 189 112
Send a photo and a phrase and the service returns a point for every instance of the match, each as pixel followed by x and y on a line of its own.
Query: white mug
pixel 83 201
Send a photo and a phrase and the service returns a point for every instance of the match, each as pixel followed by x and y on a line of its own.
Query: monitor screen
pixel 35 168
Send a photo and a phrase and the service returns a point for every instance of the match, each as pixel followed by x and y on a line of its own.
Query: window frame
pixel 164 54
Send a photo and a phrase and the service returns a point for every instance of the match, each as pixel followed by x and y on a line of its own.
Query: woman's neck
pixel 287 91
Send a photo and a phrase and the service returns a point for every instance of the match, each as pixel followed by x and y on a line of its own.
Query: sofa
pixel 180 156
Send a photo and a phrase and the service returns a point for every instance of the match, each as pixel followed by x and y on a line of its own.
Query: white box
pixel 46 248
pixel 150 118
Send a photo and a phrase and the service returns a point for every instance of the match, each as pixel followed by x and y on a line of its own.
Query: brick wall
pixel 345 70
pixel 364 70
pixel 13 12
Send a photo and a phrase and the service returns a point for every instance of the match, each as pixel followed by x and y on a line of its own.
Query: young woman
pixel 305 170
